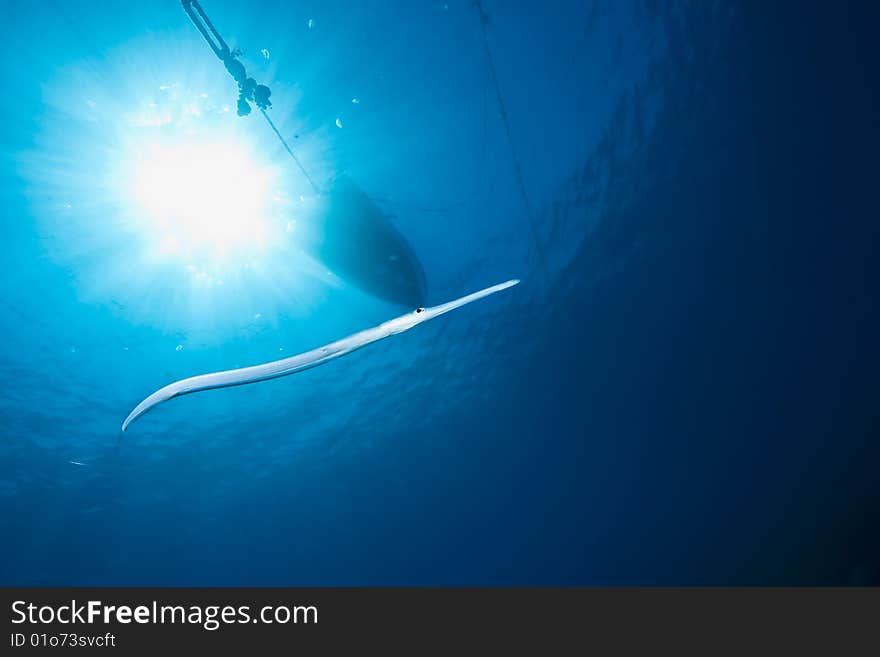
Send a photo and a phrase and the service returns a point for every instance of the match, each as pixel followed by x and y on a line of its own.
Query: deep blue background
pixel 687 394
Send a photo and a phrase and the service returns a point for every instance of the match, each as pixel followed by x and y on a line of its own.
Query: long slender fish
pixel 305 360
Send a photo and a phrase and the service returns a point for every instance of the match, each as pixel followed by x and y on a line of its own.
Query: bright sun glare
pixel 204 201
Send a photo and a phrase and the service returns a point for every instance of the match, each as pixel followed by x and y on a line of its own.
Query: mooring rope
pixel 212 36
pixel 517 165
pixel 290 151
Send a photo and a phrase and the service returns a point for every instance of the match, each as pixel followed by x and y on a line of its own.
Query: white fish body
pixel 307 359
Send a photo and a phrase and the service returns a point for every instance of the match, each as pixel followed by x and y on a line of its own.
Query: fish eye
pixel 419 309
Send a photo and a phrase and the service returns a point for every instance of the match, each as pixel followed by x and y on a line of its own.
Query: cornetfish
pixel 307 359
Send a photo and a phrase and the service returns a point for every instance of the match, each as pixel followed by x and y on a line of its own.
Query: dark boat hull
pixel 351 235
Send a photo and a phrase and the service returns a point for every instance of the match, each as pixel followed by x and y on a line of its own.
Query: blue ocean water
pixel 682 390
